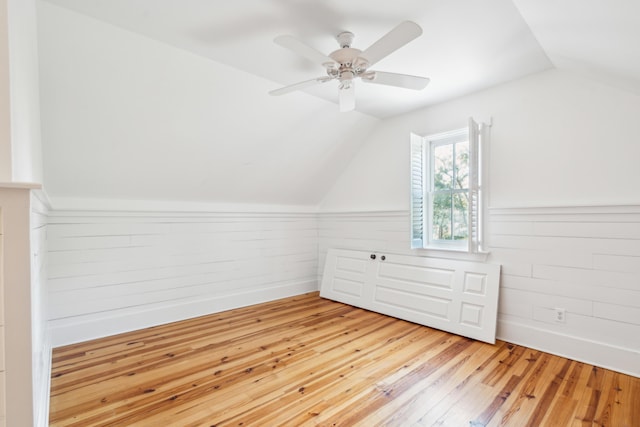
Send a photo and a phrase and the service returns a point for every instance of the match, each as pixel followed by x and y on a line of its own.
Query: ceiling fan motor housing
pixel 350 64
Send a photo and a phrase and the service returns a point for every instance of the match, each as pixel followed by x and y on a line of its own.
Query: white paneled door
pixel 456 296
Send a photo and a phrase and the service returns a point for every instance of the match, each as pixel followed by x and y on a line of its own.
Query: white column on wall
pixel 3 388
pixel 16 277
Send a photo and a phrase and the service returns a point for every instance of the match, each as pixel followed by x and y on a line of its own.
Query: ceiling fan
pixel 347 64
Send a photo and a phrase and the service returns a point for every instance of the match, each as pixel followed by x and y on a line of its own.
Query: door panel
pixel 455 296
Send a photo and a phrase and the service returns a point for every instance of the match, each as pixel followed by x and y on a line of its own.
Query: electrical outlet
pixel 560 315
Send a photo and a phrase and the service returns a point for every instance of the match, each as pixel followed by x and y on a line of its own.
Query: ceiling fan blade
pixel 394 79
pixel 392 41
pixel 298 86
pixel 347 98
pixel 303 49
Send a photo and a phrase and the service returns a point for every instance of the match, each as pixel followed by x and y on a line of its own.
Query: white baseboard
pixel 70 331
pixel 618 359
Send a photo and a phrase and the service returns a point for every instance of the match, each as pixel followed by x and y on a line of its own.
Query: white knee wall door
pixel 455 296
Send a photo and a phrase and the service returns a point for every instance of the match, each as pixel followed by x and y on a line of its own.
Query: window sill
pixel 452 253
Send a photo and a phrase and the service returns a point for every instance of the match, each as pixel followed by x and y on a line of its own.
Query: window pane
pixel 460 216
pixel 462 165
pixel 442 167
pixel 441 217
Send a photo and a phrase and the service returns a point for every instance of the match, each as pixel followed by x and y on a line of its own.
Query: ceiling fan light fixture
pixel 345 84
pixel 360 64
pixel 346 79
pixel 347 63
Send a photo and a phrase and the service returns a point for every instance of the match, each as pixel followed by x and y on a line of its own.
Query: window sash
pixel 422 201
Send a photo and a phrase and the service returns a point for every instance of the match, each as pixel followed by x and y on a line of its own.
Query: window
pixel 446 189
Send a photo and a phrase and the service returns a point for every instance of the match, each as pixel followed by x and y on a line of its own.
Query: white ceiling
pixel 598 38
pixel 467 45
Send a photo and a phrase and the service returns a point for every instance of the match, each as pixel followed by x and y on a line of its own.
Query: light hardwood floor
pixel 309 361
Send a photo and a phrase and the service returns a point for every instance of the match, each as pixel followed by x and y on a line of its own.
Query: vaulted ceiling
pixel 189 139
pixel 466 45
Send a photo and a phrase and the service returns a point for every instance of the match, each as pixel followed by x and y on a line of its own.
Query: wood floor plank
pixel 432 389
pixel 469 382
pixel 307 361
pixel 565 404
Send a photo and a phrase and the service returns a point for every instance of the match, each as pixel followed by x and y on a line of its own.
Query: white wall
pixel 564 221
pixel 129 117
pixel 557 139
pixel 114 271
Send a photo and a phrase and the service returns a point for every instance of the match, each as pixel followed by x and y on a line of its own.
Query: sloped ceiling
pixel 127 117
pixel 466 46
pixel 167 100
pixel 598 38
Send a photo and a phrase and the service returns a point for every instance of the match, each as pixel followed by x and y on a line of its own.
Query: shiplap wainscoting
pixel 39 301
pixel 111 272
pixel 585 260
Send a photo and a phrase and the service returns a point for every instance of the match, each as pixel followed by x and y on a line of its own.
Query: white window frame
pixel 422 182
pixel 429 145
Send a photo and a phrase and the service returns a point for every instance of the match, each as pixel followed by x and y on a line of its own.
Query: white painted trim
pixel 566 209
pixel 595 353
pixel 453 254
pixel 373 213
pixel 58 204
pixel 21 185
pixel 57 214
pixel 121 205
pixel 514 210
pixel 70 331
pixel 43 197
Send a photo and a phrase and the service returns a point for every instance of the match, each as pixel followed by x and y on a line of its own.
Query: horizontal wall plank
pixel 610 230
pixel 606 279
pixel 591 245
pixel 544 300
pixel 618 312
pixel 621 297
pixel 622 263
pixel 511 228
pixel 576 258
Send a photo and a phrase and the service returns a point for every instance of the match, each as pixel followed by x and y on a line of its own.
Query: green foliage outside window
pixel 450 191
